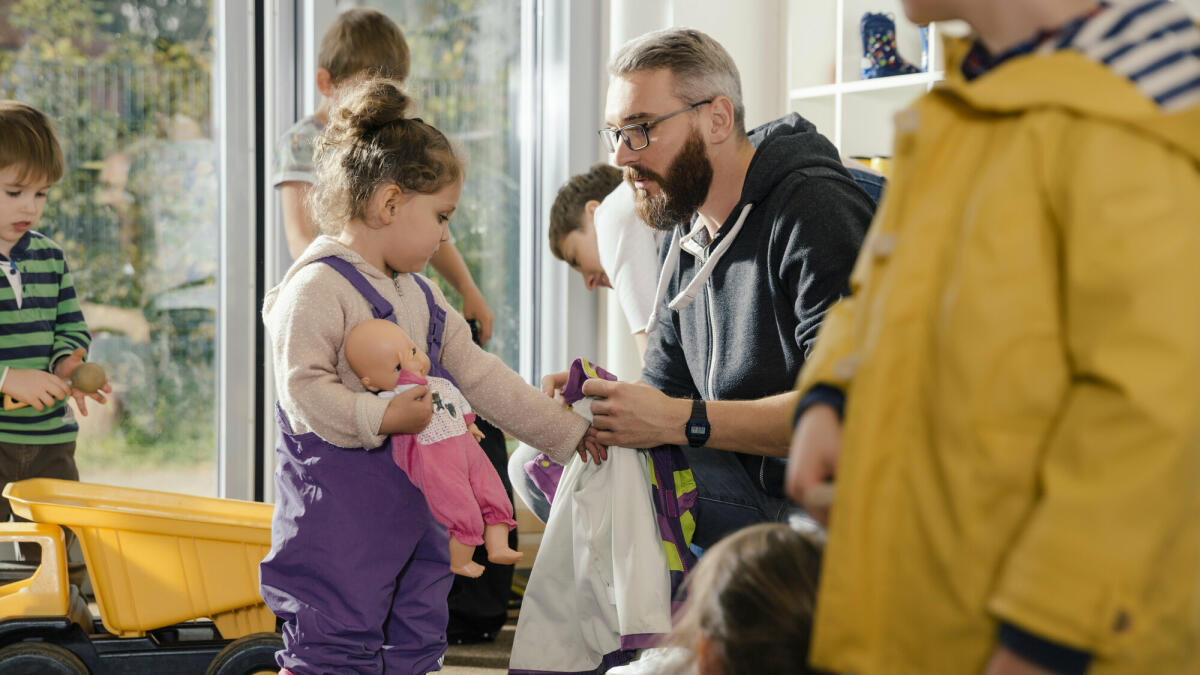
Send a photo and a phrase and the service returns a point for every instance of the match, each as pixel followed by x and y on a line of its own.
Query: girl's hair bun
pixel 367 108
pixel 370 141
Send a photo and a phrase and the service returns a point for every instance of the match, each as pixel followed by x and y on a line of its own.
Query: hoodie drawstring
pixel 688 294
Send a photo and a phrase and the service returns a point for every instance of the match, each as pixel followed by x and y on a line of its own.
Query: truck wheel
pixel 247 655
pixel 39 658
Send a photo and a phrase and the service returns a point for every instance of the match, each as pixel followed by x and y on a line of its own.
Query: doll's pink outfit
pixel 445 462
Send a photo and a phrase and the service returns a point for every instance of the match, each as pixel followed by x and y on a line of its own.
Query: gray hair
pixel 701 66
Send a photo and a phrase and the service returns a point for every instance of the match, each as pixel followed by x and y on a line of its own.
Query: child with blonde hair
pixel 358 568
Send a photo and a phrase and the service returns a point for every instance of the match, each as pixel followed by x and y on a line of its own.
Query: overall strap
pixel 380 308
pixel 437 323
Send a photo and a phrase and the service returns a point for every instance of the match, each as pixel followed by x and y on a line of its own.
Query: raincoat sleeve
pixel 1117 477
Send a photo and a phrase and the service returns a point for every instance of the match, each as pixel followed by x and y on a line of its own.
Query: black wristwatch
pixel 697 428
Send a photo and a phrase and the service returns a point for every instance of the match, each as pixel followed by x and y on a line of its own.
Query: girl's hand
pixel 408 412
pixel 588 445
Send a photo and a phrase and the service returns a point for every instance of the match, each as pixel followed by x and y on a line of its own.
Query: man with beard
pixel 763 237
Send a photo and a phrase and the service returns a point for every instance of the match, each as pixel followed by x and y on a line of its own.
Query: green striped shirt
pixel 46 327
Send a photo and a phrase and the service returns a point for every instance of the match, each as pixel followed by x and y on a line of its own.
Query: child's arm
pixel 306 327
pixel 500 395
pixel 297 223
pixel 449 263
pixel 71 340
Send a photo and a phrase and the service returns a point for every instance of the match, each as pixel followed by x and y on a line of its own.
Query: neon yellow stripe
pixel 688 525
pixel 684 482
pixel 673 561
pixel 589 369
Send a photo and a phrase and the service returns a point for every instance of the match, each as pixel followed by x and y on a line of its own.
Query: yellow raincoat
pixel 1021 362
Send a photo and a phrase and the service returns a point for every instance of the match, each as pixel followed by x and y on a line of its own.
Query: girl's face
pixel 418 227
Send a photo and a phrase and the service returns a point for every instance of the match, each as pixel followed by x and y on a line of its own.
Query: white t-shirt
pixel 629 255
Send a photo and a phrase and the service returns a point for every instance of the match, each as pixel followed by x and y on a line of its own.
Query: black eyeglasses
pixel 637 135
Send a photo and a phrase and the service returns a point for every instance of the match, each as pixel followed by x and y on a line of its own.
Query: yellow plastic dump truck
pixel 175 580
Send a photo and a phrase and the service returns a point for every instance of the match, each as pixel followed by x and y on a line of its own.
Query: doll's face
pixel 378 350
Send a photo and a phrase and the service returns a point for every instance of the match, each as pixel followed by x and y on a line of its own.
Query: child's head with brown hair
pixel 750 603
pixel 28 142
pixel 31 160
pixel 375 164
pixel 363 40
pixel 572 221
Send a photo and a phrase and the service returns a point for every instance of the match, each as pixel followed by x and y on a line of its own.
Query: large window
pixel 131 87
pixel 466 79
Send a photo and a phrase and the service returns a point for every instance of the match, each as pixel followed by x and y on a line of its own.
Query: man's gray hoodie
pixel 753 320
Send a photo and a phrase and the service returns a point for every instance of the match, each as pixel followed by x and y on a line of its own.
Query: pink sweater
pixel 308 316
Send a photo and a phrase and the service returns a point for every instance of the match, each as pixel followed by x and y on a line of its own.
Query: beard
pixel 681 192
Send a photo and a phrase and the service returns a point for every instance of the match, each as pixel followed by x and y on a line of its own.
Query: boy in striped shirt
pixel 43 337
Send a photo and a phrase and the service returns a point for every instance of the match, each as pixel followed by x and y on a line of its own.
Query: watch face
pixel 697 429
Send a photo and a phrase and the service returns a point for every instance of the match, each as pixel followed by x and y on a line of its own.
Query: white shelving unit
pixel 824 79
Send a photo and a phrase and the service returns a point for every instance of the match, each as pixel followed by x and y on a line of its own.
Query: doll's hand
pixel 66 367
pixel 35 387
pixel 475 432
pixel 408 412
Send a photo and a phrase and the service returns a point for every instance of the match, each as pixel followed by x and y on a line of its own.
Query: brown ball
pixel 88 377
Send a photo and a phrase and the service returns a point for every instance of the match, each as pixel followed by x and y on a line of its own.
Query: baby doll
pixel 444 461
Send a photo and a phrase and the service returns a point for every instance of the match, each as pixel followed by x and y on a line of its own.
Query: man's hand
pixel 1006 662
pixel 66 367
pixel 588 445
pixel 35 387
pixel 475 307
pixel 812 460
pixel 408 413
pixel 636 415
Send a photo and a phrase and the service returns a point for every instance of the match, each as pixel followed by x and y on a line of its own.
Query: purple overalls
pixel 359 570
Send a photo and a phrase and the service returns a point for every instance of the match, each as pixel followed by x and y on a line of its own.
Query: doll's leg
pixel 448 489
pixel 415 632
pixel 495 538
pixel 496 509
pixel 461 555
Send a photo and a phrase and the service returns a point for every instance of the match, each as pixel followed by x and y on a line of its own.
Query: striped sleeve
pixel 70 330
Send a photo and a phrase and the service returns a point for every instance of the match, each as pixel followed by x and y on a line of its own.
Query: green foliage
pixel 466 68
